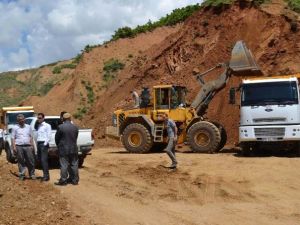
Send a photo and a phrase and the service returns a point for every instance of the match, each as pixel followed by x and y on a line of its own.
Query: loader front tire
pixel 137 138
pixel 204 137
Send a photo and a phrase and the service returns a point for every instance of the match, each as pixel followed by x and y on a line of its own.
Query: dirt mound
pixel 31 202
pixel 204 40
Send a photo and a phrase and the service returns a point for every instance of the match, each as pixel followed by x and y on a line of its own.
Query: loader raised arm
pixel 241 63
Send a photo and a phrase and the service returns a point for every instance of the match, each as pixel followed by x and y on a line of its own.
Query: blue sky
pixel 37 32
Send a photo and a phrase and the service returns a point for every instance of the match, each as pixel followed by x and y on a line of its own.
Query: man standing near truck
pixel 66 141
pixel 1 140
pixel 22 147
pixel 43 139
pixel 172 136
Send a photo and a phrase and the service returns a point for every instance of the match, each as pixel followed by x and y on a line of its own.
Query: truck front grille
pixel 269 120
pixel 269 132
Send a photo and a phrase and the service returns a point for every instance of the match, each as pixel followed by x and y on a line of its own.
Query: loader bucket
pixel 242 61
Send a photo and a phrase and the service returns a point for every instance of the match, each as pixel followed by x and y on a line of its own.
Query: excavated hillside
pixel 205 39
pixel 80 88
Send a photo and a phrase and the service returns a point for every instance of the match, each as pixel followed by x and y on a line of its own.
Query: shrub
pixel 177 16
pixel 80 113
pixel 46 88
pixel 294 5
pixel 56 70
pixel 111 67
pixel 77 59
pixel 217 3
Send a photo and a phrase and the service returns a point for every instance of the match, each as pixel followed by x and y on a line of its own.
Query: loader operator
pixel 172 136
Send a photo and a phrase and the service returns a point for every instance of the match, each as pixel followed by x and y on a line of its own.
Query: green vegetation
pixel 77 59
pixel 58 69
pixel 90 93
pixel 217 3
pixel 80 112
pixel 50 64
pixel 177 16
pixel 43 90
pixel 111 67
pixel 294 5
pixel 85 106
pixel 13 90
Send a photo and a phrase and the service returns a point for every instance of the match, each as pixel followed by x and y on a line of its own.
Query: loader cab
pixel 168 97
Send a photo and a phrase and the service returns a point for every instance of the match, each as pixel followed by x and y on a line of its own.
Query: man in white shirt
pixel 22 146
pixel 1 140
pixel 43 139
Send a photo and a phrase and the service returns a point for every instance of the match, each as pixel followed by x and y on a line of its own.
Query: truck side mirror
pixel 232 96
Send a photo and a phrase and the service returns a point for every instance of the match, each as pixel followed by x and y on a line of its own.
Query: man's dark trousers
pixel 43 158
pixel 69 161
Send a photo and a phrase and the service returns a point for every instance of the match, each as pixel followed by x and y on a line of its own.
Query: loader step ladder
pixel 158 133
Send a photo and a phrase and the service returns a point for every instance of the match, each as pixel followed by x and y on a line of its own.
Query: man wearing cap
pixel 66 141
pixel 22 147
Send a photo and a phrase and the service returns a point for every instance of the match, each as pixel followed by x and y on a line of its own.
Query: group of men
pixel 65 139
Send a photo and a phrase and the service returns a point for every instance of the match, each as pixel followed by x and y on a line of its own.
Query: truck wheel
pixel 204 136
pixel 223 136
pixel 245 150
pixel 137 138
pixel 9 156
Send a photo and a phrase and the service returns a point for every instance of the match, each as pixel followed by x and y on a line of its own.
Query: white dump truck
pixel 270 114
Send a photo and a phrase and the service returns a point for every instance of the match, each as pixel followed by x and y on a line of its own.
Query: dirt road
pixel 120 188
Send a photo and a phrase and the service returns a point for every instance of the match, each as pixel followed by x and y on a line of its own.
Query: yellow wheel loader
pixel 142 129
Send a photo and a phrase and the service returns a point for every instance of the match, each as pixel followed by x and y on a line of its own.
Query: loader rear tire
pixel 204 137
pixel 223 136
pixel 137 138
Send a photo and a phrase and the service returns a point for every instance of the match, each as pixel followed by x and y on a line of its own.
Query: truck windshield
pixel 11 118
pixel 269 93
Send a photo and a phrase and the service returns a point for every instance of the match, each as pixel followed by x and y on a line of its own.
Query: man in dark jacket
pixel 66 141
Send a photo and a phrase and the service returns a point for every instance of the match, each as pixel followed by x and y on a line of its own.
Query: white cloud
pixel 19 58
pixel 35 32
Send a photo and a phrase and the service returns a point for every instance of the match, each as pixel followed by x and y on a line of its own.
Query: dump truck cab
pixel 270 114
pixel 9 115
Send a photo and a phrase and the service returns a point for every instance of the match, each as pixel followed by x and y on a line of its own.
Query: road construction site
pixel 121 188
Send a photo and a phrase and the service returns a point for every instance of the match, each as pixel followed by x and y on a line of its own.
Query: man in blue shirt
pixel 172 139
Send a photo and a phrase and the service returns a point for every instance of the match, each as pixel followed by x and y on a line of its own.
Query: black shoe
pixel 59 183
pixel 74 182
pixel 45 179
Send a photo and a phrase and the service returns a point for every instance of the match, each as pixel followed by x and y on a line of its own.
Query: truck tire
pixel 137 138
pixel 245 150
pixel 203 137
pixel 223 135
pixel 9 156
